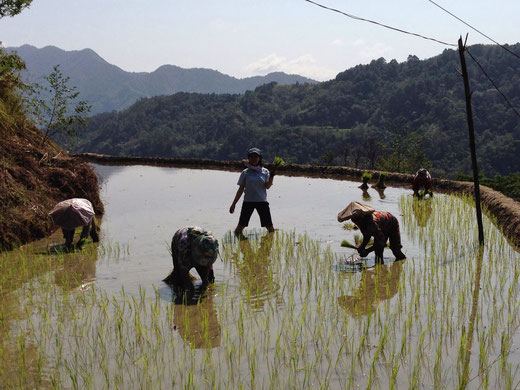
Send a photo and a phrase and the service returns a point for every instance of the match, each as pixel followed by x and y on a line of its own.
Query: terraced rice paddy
pixel 280 315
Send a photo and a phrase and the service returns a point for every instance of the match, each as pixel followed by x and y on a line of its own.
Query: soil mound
pixel 33 178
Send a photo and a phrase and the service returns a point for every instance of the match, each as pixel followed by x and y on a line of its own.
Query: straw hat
pixel 354 208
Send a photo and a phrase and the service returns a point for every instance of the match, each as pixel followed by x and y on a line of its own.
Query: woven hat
pixel 204 249
pixel 354 208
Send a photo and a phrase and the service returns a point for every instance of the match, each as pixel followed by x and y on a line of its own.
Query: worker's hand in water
pixel 232 209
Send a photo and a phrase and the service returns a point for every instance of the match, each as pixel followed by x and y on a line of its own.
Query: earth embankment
pixel 35 174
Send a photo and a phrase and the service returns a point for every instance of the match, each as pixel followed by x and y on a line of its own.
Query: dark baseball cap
pixel 254 151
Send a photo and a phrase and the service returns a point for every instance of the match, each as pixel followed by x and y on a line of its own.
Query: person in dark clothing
pixel 254 181
pixel 422 181
pixel 72 213
pixel 89 229
pixel 381 225
pixel 192 247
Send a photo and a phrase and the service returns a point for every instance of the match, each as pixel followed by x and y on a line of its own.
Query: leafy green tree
pixel 13 7
pixel 10 66
pixel 405 153
pixel 328 157
pixel 55 109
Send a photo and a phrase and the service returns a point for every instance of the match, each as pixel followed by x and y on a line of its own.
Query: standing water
pixel 279 315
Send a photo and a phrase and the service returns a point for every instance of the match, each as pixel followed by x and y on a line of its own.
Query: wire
pixel 380 24
pixel 492 82
pixel 470 26
pixel 431 39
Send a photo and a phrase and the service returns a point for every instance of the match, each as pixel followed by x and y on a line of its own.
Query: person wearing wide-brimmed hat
pixel 254 181
pixel 378 224
pixel 192 247
pixel 72 213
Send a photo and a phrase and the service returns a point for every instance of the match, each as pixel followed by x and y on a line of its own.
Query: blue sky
pixel 248 38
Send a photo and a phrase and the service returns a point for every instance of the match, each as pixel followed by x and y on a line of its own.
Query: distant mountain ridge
pixel 367 115
pixel 107 87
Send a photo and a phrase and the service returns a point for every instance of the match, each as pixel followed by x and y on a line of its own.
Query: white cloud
pixel 305 65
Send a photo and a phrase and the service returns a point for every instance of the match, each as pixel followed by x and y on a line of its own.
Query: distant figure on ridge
pixel 378 224
pixel 422 181
pixel 192 247
pixel 254 181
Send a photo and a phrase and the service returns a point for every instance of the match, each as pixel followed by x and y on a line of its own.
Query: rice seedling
pixel 282 318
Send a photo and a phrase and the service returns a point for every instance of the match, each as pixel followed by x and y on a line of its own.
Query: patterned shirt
pixel 182 246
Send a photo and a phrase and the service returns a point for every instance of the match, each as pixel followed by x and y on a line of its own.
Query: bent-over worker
pixel 72 213
pixel 192 247
pixel 381 225
pixel 422 180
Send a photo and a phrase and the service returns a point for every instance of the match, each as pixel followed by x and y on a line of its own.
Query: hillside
pixel 33 178
pixel 356 119
pixel 107 87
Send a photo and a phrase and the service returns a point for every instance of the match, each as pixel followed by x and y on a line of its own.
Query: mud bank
pixel 504 209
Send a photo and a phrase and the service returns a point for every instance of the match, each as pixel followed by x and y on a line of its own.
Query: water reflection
pixel 376 285
pixel 253 264
pixel 197 321
pixel 366 196
pixel 381 192
pixel 24 274
pixel 77 271
pixel 422 210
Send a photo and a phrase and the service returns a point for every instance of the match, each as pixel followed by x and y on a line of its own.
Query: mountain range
pixel 107 87
pixel 384 115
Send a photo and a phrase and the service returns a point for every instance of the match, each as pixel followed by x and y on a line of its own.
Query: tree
pixel 405 154
pixel 328 157
pixel 13 7
pixel 10 66
pixel 57 112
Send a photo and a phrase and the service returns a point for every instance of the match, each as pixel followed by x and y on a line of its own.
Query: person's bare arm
pixel 239 193
pixel 269 182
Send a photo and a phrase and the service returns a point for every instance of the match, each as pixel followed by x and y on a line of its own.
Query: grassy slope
pixel 34 178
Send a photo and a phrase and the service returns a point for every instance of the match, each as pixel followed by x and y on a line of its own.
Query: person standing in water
pixel 254 181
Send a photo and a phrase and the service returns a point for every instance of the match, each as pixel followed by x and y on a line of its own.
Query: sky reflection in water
pixel 145 205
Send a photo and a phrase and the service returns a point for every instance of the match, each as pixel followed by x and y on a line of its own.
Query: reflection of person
pixel 422 211
pixel 254 181
pixel 381 192
pixel 90 228
pixel 197 323
pixel 78 270
pixel 381 225
pixel 376 285
pixel 254 267
pixel 192 247
pixel 422 181
pixel 366 196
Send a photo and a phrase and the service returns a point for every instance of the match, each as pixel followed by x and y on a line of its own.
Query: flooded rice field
pixel 282 312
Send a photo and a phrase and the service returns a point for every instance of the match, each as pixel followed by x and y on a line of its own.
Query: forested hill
pixel 107 87
pixel 381 115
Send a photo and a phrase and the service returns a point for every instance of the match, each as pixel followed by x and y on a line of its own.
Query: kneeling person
pixel 381 225
pixel 192 247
